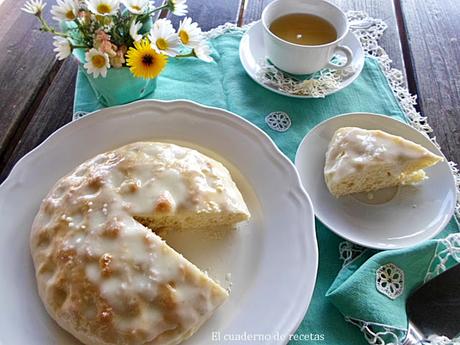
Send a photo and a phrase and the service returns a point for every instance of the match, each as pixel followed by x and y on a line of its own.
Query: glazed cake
pixel 102 272
pixel 359 160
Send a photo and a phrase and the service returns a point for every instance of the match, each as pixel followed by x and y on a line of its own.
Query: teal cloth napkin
pixel 351 289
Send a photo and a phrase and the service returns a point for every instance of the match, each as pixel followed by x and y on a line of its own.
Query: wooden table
pixel 36 91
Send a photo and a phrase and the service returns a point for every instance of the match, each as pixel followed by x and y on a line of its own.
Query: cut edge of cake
pixel 359 160
pixel 114 217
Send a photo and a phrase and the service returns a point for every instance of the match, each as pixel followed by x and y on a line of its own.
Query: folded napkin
pixel 225 84
pixel 372 288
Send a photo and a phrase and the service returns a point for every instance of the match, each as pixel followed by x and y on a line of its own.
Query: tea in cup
pixel 302 36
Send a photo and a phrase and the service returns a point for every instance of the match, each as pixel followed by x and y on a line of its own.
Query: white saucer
pixel 414 214
pixel 252 52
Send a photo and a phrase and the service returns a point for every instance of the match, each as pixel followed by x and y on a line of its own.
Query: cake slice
pixel 360 160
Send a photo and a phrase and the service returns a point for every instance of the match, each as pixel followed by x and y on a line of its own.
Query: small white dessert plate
pixel 252 55
pixel 409 216
pixel 272 254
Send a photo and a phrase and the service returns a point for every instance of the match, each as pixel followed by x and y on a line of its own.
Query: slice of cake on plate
pixel 102 272
pixel 360 160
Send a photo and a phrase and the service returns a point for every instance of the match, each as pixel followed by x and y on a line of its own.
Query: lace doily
pixel 349 251
pixel 317 85
pixel 79 114
pixel 446 249
pixel 369 31
pixel 278 121
pixel 320 84
pixel 442 340
pixel 389 280
pixel 379 334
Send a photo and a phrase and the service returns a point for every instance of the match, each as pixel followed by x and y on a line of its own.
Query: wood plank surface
pixel 28 66
pixel 210 13
pixel 383 9
pixel 433 31
pixel 36 91
pixel 44 100
pixel 54 111
pixel 423 40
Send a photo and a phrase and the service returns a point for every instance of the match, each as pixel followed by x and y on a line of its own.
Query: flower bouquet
pixel 119 44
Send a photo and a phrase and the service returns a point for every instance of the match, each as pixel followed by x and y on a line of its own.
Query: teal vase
pixel 120 86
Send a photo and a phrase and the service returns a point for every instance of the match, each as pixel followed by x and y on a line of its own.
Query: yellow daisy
pixel 144 61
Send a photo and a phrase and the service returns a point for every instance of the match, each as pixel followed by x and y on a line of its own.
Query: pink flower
pixel 108 47
pixel 102 42
pixel 102 36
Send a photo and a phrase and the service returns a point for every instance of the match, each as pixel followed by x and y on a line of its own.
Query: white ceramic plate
pixel 414 213
pixel 252 52
pixel 274 254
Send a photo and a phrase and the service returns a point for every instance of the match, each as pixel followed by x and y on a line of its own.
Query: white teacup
pixel 305 59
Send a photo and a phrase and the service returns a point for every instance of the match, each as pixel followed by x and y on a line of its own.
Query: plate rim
pixel 240 53
pixel 439 228
pixel 268 145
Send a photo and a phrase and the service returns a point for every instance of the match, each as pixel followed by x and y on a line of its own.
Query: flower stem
pixel 45 27
pixel 76 21
pixel 191 54
pixel 157 9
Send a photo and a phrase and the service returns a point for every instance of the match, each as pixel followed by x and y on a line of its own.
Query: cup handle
pixel 348 54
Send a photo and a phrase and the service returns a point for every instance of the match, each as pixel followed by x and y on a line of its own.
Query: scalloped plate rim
pixel 271 149
pixel 370 244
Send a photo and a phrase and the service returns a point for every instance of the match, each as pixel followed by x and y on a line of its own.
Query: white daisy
pixel 137 6
pixel 103 7
pixel 34 7
pixel 97 63
pixel 164 38
pixel 189 33
pixel 63 48
pixel 178 7
pixel 64 10
pixel 134 31
pixel 203 52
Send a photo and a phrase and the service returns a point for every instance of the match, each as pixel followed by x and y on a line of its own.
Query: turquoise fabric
pixel 225 84
pixel 358 278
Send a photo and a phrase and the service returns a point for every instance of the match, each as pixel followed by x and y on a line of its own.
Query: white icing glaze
pixel 85 231
pixel 351 148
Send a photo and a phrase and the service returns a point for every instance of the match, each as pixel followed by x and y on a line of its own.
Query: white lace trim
pixel 318 85
pixel 278 121
pixel 225 28
pixel 389 280
pixel 349 251
pixel 446 249
pixel 327 80
pixel 442 340
pixel 79 114
pixel 369 30
pixel 377 333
